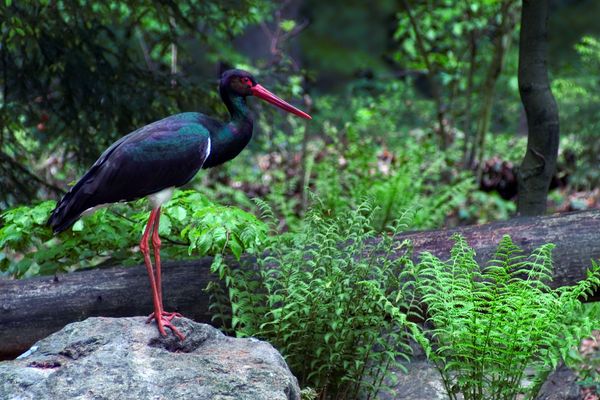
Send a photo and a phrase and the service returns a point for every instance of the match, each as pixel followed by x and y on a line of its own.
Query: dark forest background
pixel 78 75
pixel 426 114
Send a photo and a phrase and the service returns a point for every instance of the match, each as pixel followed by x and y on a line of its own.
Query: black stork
pixel 156 158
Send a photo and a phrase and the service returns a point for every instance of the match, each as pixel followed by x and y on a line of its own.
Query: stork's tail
pixel 67 211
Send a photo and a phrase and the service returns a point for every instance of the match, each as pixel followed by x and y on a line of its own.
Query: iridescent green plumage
pixel 166 153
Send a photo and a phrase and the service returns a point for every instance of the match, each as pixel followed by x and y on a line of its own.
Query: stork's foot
pixel 165 315
pixel 165 322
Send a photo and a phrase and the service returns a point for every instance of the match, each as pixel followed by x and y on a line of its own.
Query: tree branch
pixel 14 164
pixel 431 72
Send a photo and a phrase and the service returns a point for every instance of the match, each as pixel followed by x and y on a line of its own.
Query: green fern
pixel 329 298
pixel 408 187
pixel 489 324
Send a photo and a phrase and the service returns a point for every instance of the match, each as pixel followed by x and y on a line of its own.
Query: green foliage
pixel 449 25
pixel 481 207
pixel 398 168
pixel 507 146
pixel 329 298
pixel 488 324
pixel 580 122
pixel 587 362
pixel 189 224
pixel 460 48
pixel 308 393
pixel 79 74
pixel 29 248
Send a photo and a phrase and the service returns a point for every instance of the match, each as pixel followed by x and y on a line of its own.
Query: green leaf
pixel 164 228
pixel 236 248
pixel 204 244
pixel 178 212
pixel 287 25
pixel 78 226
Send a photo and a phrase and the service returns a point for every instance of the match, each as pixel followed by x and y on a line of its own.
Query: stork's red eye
pixel 246 80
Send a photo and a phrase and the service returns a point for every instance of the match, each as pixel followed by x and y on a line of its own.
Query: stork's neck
pixel 240 126
pixel 231 138
pixel 236 105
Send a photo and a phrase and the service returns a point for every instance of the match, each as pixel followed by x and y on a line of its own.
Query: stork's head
pixel 242 83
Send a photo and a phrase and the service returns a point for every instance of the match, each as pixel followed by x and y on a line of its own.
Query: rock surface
pixel 124 358
pixel 560 385
pixel 422 381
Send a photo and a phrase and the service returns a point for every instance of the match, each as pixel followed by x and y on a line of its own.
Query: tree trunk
pixel 539 163
pixel 31 309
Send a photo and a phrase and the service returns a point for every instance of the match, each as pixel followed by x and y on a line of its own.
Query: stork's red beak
pixel 264 94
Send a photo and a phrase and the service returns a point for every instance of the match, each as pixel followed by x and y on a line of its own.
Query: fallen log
pixel 31 309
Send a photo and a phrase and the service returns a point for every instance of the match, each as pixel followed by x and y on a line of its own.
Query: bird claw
pixel 165 315
pixel 165 321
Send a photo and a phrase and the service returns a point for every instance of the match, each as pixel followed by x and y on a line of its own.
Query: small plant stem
pixel 431 72
pixel 390 200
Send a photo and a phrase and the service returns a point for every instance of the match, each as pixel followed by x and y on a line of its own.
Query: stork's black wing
pixel 163 154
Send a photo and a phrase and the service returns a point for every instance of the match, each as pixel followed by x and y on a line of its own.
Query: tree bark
pixel 31 309
pixel 539 163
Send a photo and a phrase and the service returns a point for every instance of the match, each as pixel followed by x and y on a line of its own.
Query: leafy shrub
pixel 330 299
pixel 488 324
pixel 580 122
pixel 189 224
pixel 126 63
pixel 410 187
pixel 585 361
pixel 397 167
pixel 29 248
pixel 479 207
pixel 369 150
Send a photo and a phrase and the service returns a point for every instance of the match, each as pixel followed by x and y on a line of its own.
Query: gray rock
pixel 124 358
pixel 422 381
pixel 561 384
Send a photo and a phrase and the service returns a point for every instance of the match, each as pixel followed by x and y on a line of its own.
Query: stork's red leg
pixel 156 247
pixel 146 252
pixel 165 317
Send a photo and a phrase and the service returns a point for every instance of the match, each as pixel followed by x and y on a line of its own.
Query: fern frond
pixel 490 324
